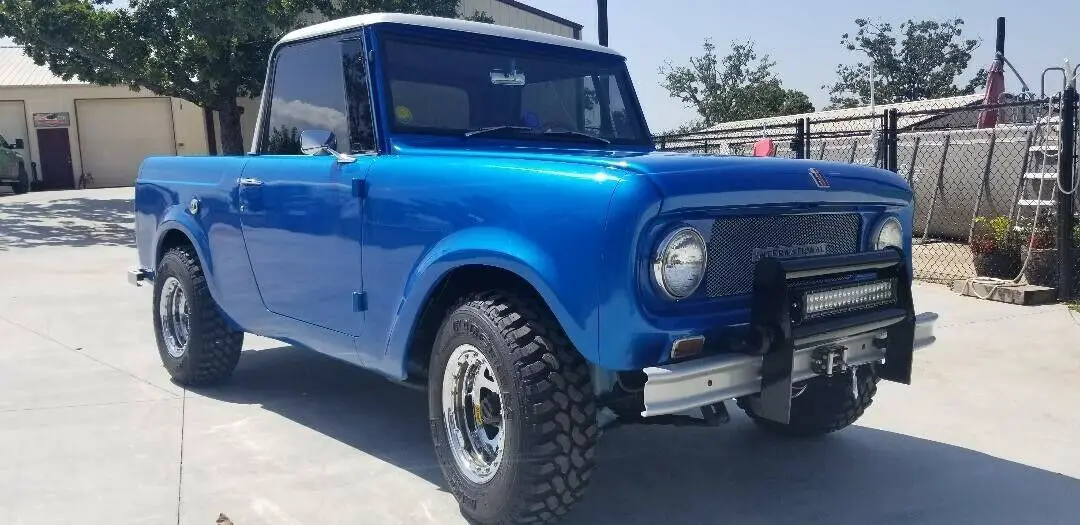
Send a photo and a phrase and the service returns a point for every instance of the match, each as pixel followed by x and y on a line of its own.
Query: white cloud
pixel 302 115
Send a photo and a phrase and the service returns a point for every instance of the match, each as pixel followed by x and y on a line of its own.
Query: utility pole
pixel 601 21
pixel 1000 47
pixel 1066 185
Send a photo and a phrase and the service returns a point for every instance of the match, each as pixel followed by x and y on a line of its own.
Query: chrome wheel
pixel 472 409
pixel 175 317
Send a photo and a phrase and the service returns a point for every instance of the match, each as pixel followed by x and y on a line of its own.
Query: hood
pixel 690 180
pixel 698 181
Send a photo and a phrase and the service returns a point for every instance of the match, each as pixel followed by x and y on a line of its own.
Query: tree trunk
pixel 232 138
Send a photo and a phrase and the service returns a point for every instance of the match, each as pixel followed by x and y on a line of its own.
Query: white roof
pixel 453 24
pixel 17 69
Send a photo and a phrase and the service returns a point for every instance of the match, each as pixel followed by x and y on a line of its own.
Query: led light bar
pixel 855 297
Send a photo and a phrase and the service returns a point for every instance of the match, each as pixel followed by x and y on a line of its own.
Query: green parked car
pixel 13 167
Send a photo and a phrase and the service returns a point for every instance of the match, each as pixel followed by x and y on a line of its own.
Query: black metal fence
pixel 994 185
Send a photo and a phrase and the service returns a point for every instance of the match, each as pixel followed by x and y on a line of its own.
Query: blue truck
pixel 480 212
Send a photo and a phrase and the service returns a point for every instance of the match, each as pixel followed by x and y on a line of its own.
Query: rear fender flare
pixel 176 218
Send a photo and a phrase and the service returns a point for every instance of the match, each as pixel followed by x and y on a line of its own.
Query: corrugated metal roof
pixel 822 122
pixel 543 14
pixel 16 69
pixel 902 107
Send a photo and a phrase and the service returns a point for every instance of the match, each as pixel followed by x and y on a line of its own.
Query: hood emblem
pixel 818 178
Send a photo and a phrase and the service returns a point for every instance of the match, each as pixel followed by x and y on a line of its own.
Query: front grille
pixel 736 243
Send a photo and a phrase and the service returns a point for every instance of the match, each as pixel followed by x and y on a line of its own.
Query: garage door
pixel 13 121
pixel 115 135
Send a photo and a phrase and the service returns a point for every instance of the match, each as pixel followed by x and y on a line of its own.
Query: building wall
pixel 187 117
pixel 247 122
pixel 509 15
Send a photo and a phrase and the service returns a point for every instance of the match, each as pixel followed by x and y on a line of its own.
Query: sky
pixel 803 37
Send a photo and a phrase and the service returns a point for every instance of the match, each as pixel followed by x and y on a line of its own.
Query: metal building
pixel 68 128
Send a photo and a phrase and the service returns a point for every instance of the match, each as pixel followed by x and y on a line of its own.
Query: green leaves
pixel 740 85
pixel 917 61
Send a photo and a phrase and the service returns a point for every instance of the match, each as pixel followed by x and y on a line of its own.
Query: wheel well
pixel 458 283
pixel 172 239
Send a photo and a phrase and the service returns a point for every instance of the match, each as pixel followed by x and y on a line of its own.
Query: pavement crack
pixel 87 405
pixel 79 351
pixel 180 477
pixel 1075 318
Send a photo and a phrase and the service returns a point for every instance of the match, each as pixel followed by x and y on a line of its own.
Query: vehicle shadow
pixel 676 476
pixel 74 222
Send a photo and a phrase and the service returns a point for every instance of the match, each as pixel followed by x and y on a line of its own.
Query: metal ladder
pixel 1038 185
pixel 1037 194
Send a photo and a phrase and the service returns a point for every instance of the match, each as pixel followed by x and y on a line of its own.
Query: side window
pixel 361 124
pixel 308 92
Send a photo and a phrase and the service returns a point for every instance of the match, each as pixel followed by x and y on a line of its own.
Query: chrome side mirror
pixel 317 141
pixel 321 142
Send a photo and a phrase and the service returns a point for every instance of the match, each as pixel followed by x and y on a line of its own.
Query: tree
pixel 207 52
pixel 738 86
pixel 922 61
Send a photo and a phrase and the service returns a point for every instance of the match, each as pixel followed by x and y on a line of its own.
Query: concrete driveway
pixel 93 432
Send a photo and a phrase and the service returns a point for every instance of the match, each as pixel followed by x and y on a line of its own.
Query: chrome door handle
pixel 248 181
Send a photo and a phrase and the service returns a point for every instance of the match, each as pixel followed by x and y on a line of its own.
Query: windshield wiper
pixel 531 131
pixel 492 129
pixel 568 133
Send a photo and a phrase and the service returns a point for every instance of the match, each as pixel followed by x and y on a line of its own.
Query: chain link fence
pixel 736 140
pixel 988 180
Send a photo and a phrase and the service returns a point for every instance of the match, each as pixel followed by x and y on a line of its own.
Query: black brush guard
pixel 778 329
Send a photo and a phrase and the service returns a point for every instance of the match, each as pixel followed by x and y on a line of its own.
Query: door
pixel 117 134
pixel 301 224
pixel 54 148
pixel 301 214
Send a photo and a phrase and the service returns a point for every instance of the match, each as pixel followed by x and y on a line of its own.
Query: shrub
pixel 992 235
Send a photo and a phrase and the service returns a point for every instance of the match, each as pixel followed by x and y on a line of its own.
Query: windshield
pixel 448 89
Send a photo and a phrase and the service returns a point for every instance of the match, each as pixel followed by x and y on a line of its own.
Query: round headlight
pixel 889 233
pixel 679 263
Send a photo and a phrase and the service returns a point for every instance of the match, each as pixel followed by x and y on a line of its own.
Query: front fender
pixel 572 305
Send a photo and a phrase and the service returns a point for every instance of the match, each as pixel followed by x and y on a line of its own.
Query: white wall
pixel 187 117
pixel 13 122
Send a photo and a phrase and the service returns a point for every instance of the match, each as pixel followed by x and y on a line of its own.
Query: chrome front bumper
pixel 683 386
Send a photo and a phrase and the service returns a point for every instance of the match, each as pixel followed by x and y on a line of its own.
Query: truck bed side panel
pixel 163 192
